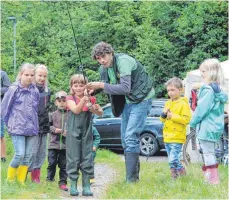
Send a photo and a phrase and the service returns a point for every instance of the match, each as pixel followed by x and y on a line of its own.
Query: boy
pixel 96 141
pixel 176 116
pixel 57 147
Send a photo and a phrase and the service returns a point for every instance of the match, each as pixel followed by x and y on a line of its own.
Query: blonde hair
pixel 41 66
pixel 215 72
pixel 176 82
pixel 77 78
pixel 23 67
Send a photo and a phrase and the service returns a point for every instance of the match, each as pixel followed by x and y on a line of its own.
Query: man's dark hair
pixel 100 49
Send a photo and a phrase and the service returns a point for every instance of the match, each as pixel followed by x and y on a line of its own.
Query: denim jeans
pixel 133 122
pixel 23 146
pixel 173 151
pixel 2 128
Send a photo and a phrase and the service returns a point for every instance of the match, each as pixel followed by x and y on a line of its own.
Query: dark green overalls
pixel 79 142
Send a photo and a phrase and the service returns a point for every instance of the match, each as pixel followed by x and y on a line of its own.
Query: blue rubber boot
pixel 73 188
pixel 86 185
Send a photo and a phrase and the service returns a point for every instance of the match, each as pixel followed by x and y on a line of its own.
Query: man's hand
pixel 94 149
pixel 96 106
pixel 95 85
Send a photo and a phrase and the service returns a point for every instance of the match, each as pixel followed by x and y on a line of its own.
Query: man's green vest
pixel 141 84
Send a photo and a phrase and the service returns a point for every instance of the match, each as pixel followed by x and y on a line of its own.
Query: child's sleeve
pixel 5 83
pixel 93 99
pixel 96 137
pixel 49 106
pixel 184 117
pixel 163 115
pixel 52 128
pixel 7 103
pixel 204 106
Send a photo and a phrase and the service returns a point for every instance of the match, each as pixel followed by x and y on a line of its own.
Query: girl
pixel 19 111
pixel 208 118
pixel 79 139
pixel 39 150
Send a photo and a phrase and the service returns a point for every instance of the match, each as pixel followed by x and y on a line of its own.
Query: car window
pixel 155 111
pixel 157 108
pixel 107 113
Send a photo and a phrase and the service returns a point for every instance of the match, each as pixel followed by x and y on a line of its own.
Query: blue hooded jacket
pixel 208 118
pixel 19 110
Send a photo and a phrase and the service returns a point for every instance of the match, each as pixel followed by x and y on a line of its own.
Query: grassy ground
pixel 155 182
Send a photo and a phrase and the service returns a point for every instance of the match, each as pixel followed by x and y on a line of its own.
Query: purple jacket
pixel 19 110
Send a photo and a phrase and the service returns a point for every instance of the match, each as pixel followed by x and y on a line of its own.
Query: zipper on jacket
pixel 62 127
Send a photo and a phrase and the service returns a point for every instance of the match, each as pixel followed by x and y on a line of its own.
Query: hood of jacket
pixel 218 93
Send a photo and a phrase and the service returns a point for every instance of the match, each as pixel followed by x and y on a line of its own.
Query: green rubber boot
pixel 73 188
pixel 86 185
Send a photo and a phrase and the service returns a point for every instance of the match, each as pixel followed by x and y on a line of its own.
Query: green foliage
pixel 169 38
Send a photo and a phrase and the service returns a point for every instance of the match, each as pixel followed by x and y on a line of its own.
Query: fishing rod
pixel 76 45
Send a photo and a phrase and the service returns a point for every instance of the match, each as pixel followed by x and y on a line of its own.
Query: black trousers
pixel 57 157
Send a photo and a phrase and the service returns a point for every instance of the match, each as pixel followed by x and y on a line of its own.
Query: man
pixel 123 76
pixel 5 83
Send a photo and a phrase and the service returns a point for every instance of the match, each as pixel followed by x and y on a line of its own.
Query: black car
pixel 151 140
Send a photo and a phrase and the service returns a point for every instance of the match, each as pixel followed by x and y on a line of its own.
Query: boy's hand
pixel 58 130
pixel 166 110
pixel 94 149
pixel 169 114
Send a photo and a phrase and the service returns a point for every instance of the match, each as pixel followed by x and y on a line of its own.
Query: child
pixel 79 134
pixel 208 118
pixel 19 111
pixel 96 141
pixel 57 147
pixel 5 83
pixel 176 116
pixel 39 151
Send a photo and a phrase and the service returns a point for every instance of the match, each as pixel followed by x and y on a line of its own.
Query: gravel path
pixel 103 176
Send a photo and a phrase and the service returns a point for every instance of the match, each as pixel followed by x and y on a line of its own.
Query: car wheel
pixel 148 144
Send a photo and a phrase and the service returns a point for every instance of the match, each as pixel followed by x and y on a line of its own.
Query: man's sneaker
pixel 92 181
pixel 3 159
pixel 63 187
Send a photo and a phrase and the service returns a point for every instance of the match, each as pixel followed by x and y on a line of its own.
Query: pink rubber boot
pixel 38 171
pixel 35 175
pixel 212 174
pixel 204 169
